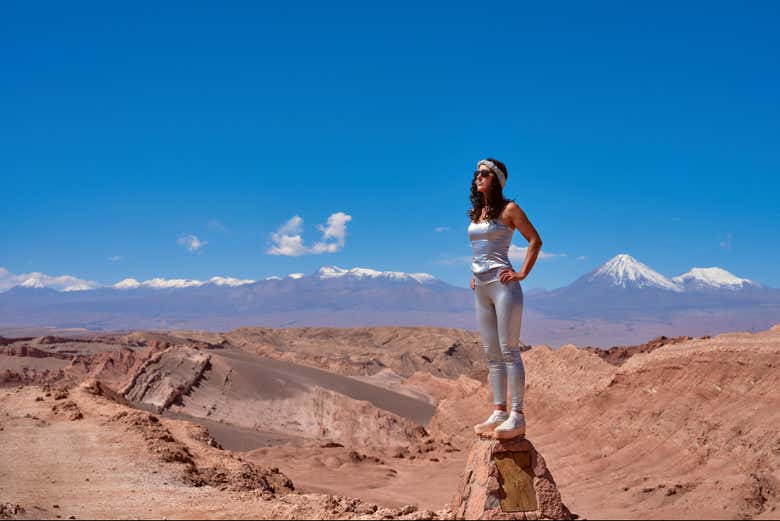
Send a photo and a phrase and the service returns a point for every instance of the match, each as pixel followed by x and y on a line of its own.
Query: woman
pixel 497 292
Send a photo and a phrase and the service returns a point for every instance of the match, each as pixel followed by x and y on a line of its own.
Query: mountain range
pixel 622 291
pixel 624 288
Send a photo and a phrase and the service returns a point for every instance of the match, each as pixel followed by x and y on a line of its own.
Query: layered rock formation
pixel 166 376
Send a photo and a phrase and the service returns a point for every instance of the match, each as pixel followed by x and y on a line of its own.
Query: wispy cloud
pixel 519 252
pixel 115 258
pixel 287 239
pixel 216 226
pixel 582 257
pixel 516 254
pixel 440 229
pixel 192 243
pixel 726 243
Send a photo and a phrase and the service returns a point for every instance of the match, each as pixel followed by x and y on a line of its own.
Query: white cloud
pixel 519 252
pixel 115 258
pixel 582 257
pixel 516 254
pixel 287 239
pixel 336 228
pixel 292 227
pixel 192 243
pixel 40 280
pixel 440 229
pixel 726 243
pixel 216 225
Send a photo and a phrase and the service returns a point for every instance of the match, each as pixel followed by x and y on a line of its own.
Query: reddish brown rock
pixel 618 355
pixel 67 409
pixel 97 388
pixel 507 479
pixel 10 510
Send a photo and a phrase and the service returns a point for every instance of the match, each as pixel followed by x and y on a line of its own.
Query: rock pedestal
pixel 507 479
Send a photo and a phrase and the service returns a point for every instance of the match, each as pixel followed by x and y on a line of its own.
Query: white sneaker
pixel 513 427
pixel 495 419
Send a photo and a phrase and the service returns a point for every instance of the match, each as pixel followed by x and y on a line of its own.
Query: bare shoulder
pixel 513 210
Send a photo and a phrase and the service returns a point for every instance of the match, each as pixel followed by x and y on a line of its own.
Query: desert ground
pixel 376 423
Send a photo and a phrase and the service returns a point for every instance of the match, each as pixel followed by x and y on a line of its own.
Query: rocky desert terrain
pixel 376 423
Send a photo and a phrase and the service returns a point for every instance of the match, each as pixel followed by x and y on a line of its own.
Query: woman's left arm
pixel 521 222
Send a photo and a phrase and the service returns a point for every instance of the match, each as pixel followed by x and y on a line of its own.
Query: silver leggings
pixel 499 310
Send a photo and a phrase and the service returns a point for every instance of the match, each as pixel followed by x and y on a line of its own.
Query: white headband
pixel 493 168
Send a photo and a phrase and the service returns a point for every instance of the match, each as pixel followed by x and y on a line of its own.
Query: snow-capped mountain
pixel 626 272
pixel 160 283
pixel 325 273
pixel 621 291
pixel 712 278
pixel 329 295
pixel 624 287
pixel 37 280
pixel 333 272
pixel 619 286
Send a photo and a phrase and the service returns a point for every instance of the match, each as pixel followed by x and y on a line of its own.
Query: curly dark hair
pixel 495 197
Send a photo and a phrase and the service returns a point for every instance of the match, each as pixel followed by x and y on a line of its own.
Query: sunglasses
pixel 482 173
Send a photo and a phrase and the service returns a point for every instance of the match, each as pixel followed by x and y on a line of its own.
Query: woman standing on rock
pixel 497 292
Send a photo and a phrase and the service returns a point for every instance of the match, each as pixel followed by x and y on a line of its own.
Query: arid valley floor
pixel 376 423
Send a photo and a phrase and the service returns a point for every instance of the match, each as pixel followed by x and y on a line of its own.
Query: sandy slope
pixel 115 463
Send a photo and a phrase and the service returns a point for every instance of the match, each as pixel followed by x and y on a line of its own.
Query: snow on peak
pixel 32 282
pixel 38 280
pixel 127 284
pixel 229 281
pixel 713 277
pixel 331 272
pixel 422 278
pixel 162 283
pixel 625 271
pixel 41 280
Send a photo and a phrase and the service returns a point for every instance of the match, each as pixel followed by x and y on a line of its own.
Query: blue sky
pixel 127 130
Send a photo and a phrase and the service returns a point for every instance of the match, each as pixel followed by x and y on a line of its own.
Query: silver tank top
pixel 490 242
